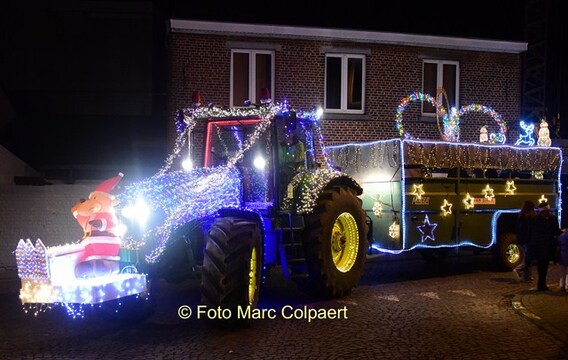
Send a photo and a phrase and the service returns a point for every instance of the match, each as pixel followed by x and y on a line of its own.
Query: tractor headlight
pixel 140 212
pixel 187 164
pixel 259 162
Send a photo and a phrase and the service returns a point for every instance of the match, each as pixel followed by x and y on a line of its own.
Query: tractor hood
pixel 182 196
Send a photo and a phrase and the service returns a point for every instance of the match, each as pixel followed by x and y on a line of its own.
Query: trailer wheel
pixel 232 267
pixel 335 242
pixel 507 254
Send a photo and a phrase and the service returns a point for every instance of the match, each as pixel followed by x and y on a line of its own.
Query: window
pixel 251 70
pixel 437 74
pixel 344 83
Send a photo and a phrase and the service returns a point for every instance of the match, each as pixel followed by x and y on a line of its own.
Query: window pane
pixel 354 84
pixel 429 85
pixel 333 83
pixel 449 83
pixel 263 74
pixel 240 78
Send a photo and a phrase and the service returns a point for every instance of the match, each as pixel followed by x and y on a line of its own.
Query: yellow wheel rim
pixel 513 253
pixel 344 242
pixel 253 277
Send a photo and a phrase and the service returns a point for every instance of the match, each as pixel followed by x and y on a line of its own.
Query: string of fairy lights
pixel 490 153
pixel 451 120
pixel 187 195
pixel 199 193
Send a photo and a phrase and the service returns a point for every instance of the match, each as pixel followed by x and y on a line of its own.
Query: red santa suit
pixel 101 240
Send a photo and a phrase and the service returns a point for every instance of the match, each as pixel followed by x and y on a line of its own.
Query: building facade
pixel 358 77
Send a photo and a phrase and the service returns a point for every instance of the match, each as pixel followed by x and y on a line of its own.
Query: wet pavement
pixel 402 309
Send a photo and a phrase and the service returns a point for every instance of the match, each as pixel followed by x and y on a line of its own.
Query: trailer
pixel 435 196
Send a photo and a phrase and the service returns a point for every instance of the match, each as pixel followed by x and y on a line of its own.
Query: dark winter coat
pixel 563 252
pixel 524 229
pixel 542 241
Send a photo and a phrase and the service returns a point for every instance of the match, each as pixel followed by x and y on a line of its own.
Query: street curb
pixel 520 308
pixel 541 323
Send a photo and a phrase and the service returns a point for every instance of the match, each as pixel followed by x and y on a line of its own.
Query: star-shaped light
pixel 468 202
pixel 427 229
pixel 542 199
pixel 446 208
pixel 394 230
pixel 377 206
pixel 418 191
pixel 488 192
pixel 511 187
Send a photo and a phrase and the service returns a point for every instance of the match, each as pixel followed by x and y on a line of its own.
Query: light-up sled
pixel 72 274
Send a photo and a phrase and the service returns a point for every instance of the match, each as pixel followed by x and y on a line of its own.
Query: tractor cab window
pixel 293 149
pixel 226 139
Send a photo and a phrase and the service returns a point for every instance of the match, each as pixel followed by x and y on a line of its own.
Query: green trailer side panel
pixel 447 194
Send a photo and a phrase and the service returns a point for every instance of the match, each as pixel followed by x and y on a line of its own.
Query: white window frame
pixel 252 73
pixel 440 81
pixel 344 73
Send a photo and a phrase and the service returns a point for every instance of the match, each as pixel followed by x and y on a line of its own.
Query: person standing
pixel 544 232
pixel 563 260
pixel 526 217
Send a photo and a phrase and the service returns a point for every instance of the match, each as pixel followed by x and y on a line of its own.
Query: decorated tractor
pixel 265 196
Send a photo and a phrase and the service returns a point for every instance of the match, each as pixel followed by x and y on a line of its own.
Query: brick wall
pixel 202 62
pixel 38 212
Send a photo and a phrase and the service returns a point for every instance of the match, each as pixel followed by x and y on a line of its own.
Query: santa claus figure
pixel 101 235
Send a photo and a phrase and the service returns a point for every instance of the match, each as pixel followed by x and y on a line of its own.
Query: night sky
pixel 84 82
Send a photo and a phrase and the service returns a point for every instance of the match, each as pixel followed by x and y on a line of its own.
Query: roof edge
pixel 456 43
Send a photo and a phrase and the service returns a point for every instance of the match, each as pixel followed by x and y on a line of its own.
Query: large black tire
pixel 335 242
pixel 507 254
pixel 232 267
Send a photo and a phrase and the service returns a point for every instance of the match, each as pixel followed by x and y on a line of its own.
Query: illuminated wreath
pixel 415 96
pixel 451 121
pixel 498 138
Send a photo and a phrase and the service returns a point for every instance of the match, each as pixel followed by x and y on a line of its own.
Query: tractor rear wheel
pixel 232 267
pixel 335 242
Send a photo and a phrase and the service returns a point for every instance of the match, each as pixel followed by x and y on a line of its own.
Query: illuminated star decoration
pixel 446 208
pixel 488 192
pixel 542 199
pixel 394 230
pixel 377 207
pixel 427 229
pixel 418 191
pixel 468 201
pixel 511 187
pixel 527 137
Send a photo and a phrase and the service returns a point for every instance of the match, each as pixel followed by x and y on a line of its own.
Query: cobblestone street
pixel 404 308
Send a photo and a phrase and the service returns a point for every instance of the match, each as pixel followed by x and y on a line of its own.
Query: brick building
pixel 357 77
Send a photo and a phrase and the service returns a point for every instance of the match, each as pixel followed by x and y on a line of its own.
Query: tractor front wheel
pixel 232 267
